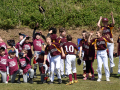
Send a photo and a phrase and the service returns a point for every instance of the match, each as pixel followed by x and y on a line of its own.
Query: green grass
pixel 114 84
pixel 66 13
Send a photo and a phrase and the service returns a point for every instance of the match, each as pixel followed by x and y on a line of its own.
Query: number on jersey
pixel 69 48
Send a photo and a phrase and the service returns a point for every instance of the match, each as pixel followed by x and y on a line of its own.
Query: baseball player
pixel 81 52
pixel 89 52
pixel 37 45
pixel 107 29
pixel 25 44
pixel 61 40
pixel 55 51
pixel 43 68
pixel 24 62
pixel 69 49
pixel 3 64
pixel 12 65
pixel 102 57
pixel 118 41
pixel 18 46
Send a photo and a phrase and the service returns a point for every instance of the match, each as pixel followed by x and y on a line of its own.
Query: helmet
pixel 104 20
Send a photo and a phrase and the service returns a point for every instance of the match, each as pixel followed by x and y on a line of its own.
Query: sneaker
pixel 75 81
pixel 18 81
pixel 71 82
pixel 50 82
pixel 107 79
pixel 59 81
pixel 92 78
pixel 85 78
pixel 6 82
pixel 98 79
pixel 118 75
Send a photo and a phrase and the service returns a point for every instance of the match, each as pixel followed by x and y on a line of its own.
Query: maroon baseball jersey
pixel 19 47
pixel 53 37
pixel 101 43
pixel 81 42
pixel 27 46
pixel 118 41
pixel 108 30
pixel 13 65
pixel 3 63
pixel 54 49
pixel 3 44
pixel 70 48
pixel 25 65
pixel 61 40
pixel 37 44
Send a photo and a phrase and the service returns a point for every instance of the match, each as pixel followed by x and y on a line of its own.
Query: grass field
pixel 114 84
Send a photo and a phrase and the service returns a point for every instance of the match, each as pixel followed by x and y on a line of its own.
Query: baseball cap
pixel 11 51
pixel 22 34
pixel 41 53
pixel 37 33
pixel 27 37
pixel 104 20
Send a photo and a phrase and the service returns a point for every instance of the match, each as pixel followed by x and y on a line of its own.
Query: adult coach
pixel 107 29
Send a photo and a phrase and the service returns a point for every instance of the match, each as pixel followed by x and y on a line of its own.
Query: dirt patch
pixel 13 34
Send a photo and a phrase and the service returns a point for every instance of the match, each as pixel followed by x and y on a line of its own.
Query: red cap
pixel 104 20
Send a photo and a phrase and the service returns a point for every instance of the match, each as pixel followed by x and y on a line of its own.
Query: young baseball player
pixel 12 65
pixel 26 44
pixel 102 57
pixel 69 49
pixel 89 52
pixel 18 46
pixel 43 68
pixel 81 52
pixel 3 64
pixel 118 41
pixel 24 62
pixel 107 29
pixel 37 45
pixel 61 40
pixel 55 51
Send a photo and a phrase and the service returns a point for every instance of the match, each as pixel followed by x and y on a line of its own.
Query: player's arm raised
pixel 98 24
pixel 113 21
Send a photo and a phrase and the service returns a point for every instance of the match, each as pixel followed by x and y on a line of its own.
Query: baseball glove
pixel 79 61
pixel 11 42
pixel 41 9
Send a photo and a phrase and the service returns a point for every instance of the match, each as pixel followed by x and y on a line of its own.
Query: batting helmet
pixel 104 20
pixel 79 61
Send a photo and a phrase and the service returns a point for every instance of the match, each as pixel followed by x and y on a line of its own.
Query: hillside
pixel 65 13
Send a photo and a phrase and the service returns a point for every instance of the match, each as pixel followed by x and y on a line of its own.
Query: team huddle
pixel 59 54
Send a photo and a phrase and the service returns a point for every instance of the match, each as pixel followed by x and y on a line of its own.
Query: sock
pixel 70 77
pixel 75 76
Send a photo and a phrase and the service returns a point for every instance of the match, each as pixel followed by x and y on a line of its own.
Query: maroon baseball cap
pixel 104 20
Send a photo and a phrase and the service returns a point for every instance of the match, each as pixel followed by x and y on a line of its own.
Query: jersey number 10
pixel 69 48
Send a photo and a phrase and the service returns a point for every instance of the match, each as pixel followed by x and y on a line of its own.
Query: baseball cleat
pixel 71 82
pixel 98 79
pixel 59 81
pixel 50 82
pixel 107 79
pixel 75 81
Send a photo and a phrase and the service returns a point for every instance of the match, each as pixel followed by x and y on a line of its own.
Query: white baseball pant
pixel 70 64
pixel 102 58
pixel 110 47
pixel 55 64
pixel 3 74
pixel 119 66
pixel 31 71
